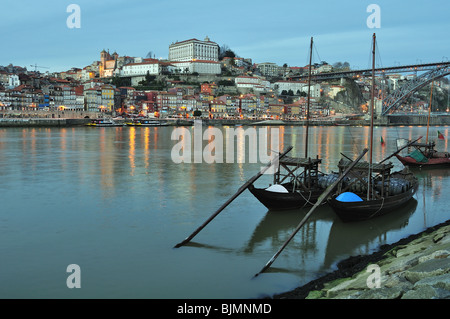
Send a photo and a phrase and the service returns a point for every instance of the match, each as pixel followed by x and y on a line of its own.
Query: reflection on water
pixel 346 239
pixel 276 227
pixel 113 201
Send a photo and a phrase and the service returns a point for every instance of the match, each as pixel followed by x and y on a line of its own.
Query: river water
pixel 114 202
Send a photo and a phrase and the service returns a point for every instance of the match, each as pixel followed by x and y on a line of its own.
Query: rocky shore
pixel 416 267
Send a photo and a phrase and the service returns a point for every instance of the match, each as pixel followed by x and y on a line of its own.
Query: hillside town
pixel 199 79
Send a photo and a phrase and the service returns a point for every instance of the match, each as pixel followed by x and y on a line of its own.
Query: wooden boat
pixel 389 191
pixel 103 123
pixel 292 190
pixel 370 189
pixel 424 154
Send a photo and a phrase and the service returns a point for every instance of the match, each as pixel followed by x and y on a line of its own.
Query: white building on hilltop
pixel 194 49
pixel 194 55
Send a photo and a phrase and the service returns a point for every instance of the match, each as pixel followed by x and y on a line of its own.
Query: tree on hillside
pixel 225 51
pixel 118 81
pixel 341 65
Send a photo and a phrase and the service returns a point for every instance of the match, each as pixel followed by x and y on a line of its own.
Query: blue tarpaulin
pixel 349 197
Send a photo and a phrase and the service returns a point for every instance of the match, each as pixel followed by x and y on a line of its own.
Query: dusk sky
pixel 411 32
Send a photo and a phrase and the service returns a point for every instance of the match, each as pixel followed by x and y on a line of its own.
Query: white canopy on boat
pixel 277 188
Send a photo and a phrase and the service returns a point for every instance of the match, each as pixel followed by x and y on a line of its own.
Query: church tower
pixel 103 57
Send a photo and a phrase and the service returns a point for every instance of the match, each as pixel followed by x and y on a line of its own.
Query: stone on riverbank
pixel 411 269
pixel 420 269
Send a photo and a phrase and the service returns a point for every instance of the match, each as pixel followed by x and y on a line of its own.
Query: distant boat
pixel 146 122
pixel 269 122
pixel 103 123
pixel 424 154
pixel 341 124
pixel 370 189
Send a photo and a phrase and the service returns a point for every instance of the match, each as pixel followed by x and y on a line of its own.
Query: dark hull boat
pixel 291 190
pixel 274 200
pixel 389 191
pixel 363 210
pixel 370 189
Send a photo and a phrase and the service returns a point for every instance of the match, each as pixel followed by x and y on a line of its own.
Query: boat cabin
pixel 357 179
pixel 301 172
pixel 425 149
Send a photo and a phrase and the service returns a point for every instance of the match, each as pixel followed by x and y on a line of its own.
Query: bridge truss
pixel 394 100
pixel 368 72
pixel 432 71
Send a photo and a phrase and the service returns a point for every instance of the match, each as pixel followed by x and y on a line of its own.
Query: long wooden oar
pixel 240 190
pixel 322 197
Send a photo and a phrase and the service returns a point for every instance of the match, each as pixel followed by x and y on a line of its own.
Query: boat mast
pixel 372 94
pixel 307 106
pixel 429 112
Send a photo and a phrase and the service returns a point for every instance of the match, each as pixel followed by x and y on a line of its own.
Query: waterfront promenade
pixel 74 118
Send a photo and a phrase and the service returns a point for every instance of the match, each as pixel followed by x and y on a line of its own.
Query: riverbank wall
pixel 64 118
pixel 435 120
pixel 41 122
pixel 416 267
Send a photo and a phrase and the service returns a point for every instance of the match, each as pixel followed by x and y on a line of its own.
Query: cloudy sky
pixel 36 32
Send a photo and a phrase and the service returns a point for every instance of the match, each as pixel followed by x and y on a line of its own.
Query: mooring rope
pixel 306 199
pixel 382 204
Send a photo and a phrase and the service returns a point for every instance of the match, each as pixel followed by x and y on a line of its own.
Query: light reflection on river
pixel 112 201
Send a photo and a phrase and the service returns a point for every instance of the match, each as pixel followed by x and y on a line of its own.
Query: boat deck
pixel 365 166
pixel 288 168
pixel 299 161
